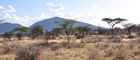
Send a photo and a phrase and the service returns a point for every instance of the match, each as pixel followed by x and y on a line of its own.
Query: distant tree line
pixel 68 29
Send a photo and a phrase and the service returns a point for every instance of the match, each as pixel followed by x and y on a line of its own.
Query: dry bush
pixel 66 45
pixel 118 46
pixel 117 40
pixel 131 45
pixel 9 48
pixel 27 54
pixel 102 46
pixel 94 39
pixel 79 36
pixel 131 36
pixel 137 41
pixel 94 55
pixel 137 53
pixel 120 54
pixel 5 50
pixel 120 57
pixel 138 46
pixel 74 45
pixel 54 47
pixel 108 53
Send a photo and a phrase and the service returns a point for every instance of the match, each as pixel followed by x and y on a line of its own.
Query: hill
pixel 49 23
pixel 5 27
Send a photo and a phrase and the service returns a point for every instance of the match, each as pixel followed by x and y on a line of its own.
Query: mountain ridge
pixel 5 27
pixel 48 24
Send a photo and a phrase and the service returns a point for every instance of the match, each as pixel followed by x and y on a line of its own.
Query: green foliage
pixel 57 31
pixel 83 29
pixel 67 27
pixel 130 27
pixel 21 29
pixel 117 28
pixel 20 32
pixel 36 31
pixel 113 22
pixel 8 35
pixel 19 35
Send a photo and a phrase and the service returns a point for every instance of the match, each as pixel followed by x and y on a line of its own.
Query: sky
pixel 27 12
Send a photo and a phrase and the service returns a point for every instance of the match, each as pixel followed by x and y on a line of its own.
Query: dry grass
pixel 29 53
pixel 103 49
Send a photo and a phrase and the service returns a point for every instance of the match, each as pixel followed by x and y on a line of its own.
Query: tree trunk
pixel 112 31
pixel 9 38
pixel 129 32
pixel 68 39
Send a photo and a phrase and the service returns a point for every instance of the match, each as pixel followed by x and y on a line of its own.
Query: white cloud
pixel 11 8
pixel 88 16
pixel 1 7
pixel 44 16
pixel 56 9
pixel 128 9
pixel 9 16
pixel 26 20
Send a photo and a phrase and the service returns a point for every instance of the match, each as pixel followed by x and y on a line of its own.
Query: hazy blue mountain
pixel 5 27
pixel 49 23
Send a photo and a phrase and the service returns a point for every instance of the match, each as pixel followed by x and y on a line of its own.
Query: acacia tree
pixel 82 31
pixel 68 27
pixel 117 30
pixel 112 22
pixel 138 28
pixel 36 31
pixel 8 35
pixel 130 27
pixel 57 31
pixel 20 32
